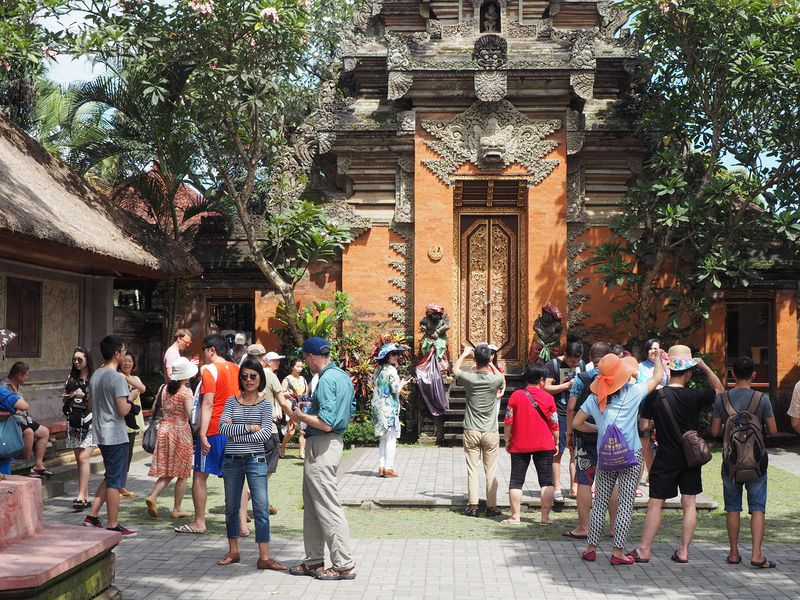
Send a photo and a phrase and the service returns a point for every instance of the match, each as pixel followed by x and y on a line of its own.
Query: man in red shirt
pixel 220 381
pixel 531 432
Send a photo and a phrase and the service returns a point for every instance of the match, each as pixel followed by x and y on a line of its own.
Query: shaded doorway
pixel 750 331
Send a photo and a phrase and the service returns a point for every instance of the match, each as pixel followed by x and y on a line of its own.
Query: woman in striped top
pixel 247 421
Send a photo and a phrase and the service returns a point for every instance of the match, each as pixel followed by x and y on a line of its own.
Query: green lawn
pixel 783 524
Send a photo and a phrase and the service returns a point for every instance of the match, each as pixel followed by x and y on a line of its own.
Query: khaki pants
pixel 487 444
pixel 324 522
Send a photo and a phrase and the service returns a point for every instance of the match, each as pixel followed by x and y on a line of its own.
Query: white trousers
pixel 387 448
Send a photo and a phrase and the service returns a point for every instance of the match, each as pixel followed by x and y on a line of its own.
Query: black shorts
pixel 542 460
pixel 668 476
pixel 32 425
pixel 273 450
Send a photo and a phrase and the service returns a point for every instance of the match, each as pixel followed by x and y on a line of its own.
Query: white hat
pixel 273 356
pixel 240 339
pixel 182 369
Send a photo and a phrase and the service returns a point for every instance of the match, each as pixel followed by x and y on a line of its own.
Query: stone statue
pixel 492 141
pixel 491 19
pixel 547 334
pixel 434 326
pixel 490 52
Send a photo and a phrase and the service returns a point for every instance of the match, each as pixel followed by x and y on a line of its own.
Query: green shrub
pixel 360 432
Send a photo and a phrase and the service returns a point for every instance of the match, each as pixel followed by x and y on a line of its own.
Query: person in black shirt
pixel 561 374
pixel 670 471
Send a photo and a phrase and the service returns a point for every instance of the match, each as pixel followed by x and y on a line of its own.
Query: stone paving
pixel 437 477
pixel 161 564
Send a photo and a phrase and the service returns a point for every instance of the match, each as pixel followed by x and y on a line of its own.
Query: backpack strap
pixel 755 400
pixel 535 405
pixel 726 404
pixel 556 371
pixel 668 409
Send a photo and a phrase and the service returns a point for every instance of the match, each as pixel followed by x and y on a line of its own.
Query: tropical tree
pixel 723 91
pixel 242 73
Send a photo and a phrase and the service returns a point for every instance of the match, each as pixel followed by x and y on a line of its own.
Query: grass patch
pixel 783 524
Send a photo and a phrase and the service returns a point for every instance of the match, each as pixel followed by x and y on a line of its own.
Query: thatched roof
pixel 51 217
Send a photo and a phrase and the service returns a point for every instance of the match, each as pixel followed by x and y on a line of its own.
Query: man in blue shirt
pixel 324 523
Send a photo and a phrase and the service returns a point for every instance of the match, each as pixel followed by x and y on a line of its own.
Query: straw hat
pixel 680 358
pixel 256 350
pixel 614 373
pixel 183 369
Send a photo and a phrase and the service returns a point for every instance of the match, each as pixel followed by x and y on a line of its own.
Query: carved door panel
pixel 490 282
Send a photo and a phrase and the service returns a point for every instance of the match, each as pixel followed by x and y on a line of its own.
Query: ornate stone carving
pixel 343 212
pixel 490 20
pixel 575 316
pixel 343 164
pixel 407 122
pixel 576 191
pixel 364 12
pixel 583 59
pixel 514 29
pixel 404 283
pixel 466 28
pixel 613 18
pixel 404 191
pixel 491 86
pixel 490 51
pixel 492 135
pixel 575 134
pixel 399 83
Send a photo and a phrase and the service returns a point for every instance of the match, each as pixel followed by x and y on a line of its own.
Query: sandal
pixel 510 522
pixel 270 564
pixel 41 473
pixel 574 536
pixel 766 564
pixel 334 574
pixel 635 556
pixel 228 559
pixel 303 569
pixel 732 561
pixel 79 504
pixel 152 510
pixel 186 528
pixel 674 558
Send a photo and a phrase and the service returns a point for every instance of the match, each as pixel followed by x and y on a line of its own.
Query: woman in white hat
pixel 173 454
pixel 386 406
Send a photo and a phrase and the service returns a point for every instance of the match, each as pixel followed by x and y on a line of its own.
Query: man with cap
pixel 481 437
pixel 670 471
pixel 239 350
pixel 333 404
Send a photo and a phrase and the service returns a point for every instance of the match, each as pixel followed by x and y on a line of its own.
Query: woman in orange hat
pixel 615 403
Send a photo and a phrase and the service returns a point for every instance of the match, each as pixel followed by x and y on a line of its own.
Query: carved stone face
pixel 490 51
pixel 492 143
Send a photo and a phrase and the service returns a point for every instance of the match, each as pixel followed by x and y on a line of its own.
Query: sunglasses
pixel 248 376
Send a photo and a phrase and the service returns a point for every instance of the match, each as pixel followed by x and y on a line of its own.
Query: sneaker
pixel 90 521
pixel 126 533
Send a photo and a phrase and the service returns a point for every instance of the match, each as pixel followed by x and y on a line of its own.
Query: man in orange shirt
pixel 220 381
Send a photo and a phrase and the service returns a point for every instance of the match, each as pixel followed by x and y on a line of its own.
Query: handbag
pixel 10 438
pixel 695 449
pixel 151 433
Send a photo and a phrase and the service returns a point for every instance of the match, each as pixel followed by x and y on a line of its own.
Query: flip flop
pixel 730 561
pixel 152 510
pixel 510 522
pixel 674 558
pixel 186 528
pixel 573 535
pixel 635 556
pixel 766 564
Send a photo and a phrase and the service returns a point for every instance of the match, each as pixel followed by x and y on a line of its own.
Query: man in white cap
pixel 239 350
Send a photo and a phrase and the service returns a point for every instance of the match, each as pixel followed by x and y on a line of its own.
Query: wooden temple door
pixel 491 283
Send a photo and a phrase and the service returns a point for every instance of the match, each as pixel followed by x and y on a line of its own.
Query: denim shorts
pixel 115 461
pixel 756 494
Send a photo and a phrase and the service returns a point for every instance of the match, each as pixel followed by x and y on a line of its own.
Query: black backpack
pixel 744 451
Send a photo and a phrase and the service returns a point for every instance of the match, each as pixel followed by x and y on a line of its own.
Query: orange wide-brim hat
pixel 614 373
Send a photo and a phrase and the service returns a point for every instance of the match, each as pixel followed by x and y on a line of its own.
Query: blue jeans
pixel 234 469
pixel 756 494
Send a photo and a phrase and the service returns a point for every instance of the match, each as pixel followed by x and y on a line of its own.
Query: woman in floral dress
pixel 173 454
pixel 386 406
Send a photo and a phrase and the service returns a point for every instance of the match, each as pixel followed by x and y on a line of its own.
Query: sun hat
pixel 680 358
pixel 273 356
pixel 183 369
pixel 387 349
pixel 316 346
pixel 256 350
pixel 614 373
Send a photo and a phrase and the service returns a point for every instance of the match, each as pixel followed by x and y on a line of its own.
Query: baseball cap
pixel 240 339
pixel 273 356
pixel 317 346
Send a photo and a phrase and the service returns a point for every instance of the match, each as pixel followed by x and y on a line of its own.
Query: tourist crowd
pixel 618 419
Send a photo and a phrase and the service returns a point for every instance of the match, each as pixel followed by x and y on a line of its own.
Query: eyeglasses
pixel 248 376
pixel 78 359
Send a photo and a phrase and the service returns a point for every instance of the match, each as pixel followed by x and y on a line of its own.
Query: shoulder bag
pixel 151 433
pixel 10 438
pixel 695 449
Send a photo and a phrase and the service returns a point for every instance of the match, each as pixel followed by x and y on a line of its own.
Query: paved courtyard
pixel 161 564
